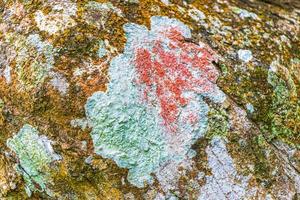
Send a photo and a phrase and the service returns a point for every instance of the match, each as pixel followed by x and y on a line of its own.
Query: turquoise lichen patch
pixel 154 109
pixel 34 153
pixel 124 129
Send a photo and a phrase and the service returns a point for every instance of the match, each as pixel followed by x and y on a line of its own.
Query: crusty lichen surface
pixel 73 72
pixel 35 154
pixel 154 111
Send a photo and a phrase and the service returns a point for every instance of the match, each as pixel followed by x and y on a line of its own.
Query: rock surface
pixel 150 99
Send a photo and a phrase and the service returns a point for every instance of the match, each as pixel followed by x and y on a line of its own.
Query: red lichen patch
pixel 170 71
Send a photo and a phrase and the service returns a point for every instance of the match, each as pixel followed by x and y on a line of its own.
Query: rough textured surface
pixel 35 154
pixel 149 99
pixel 154 111
pixel 224 183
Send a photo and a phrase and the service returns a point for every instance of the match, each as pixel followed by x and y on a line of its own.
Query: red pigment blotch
pixel 168 73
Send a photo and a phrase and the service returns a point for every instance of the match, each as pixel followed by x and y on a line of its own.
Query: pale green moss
pixel 284 112
pixel 218 123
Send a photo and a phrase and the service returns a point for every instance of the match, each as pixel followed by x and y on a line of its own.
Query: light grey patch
pixel 102 49
pixel 89 160
pixel 5 69
pixel 7 74
pixel 224 183
pixel 60 83
pixel 196 14
pixel 160 196
pixel 244 13
pixel 245 55
pixel 48 147
pixel 81 123
pixel 200 175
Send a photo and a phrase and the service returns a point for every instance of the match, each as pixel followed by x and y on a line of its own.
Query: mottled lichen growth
pixel 49 89
pixel 8 176
pixel 34 60
pixel 35 154
pixel 151 114
pixel 218 123
pixel 128 134
pixel 59 19
pixel 284 113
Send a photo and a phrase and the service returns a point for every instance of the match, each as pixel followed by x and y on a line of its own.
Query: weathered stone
pixel 149 99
